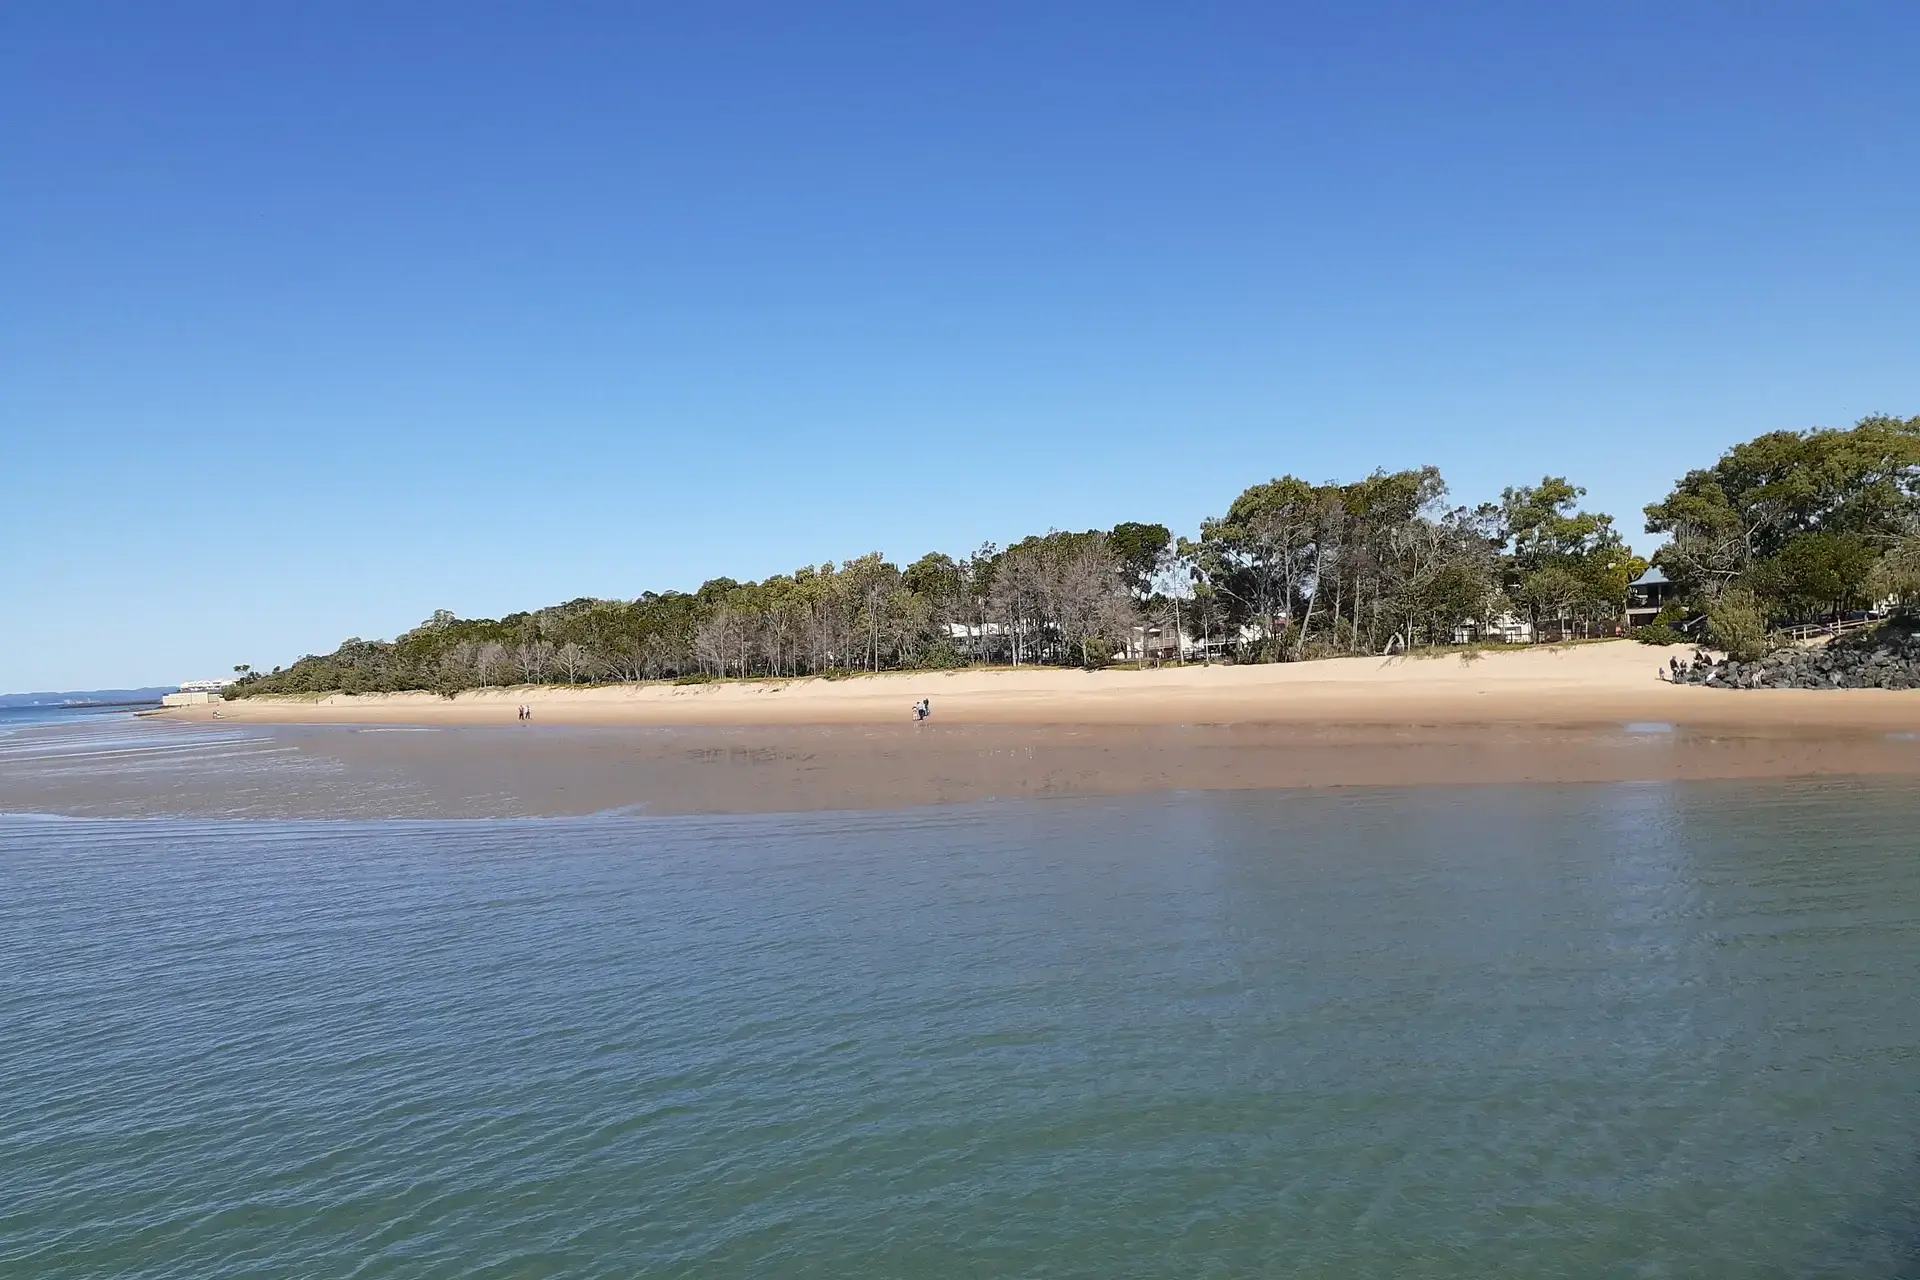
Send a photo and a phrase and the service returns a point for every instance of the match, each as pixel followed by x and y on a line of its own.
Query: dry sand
pixel 1590 684
pixel 1580 714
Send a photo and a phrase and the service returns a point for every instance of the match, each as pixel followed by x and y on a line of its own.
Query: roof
pixel 1651 578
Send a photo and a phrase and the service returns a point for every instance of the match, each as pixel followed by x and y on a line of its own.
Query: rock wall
pixel 1885 658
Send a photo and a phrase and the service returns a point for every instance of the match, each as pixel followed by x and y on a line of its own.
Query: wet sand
pixel 337 771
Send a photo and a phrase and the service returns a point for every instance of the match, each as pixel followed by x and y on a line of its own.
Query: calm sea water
pixel 1626 1031
pixel 13 719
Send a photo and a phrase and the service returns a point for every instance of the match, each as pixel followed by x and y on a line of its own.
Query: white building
pixel 196 693
pixel 1505 629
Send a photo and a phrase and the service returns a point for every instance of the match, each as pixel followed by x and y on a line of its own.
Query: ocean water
pixel 14 719
pixel 1638 1031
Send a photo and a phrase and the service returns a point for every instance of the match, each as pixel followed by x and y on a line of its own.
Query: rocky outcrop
pixel 1885 658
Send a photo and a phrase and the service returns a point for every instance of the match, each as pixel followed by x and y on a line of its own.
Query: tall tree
pixel 1732 524
pixel 1564 563
pixel 1138 550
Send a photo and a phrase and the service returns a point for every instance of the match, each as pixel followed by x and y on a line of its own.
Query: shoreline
pixel 1599 683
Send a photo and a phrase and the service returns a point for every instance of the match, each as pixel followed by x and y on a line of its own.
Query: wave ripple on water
pixel 1583 1031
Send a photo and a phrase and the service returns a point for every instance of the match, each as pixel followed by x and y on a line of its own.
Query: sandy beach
pixel 1594 713
pixel 1588 684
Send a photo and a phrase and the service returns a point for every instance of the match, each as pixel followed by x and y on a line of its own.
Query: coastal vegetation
pixel 1783 525
pixel 1795 525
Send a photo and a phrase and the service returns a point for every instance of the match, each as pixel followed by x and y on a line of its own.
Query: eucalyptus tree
pixel 1170 597
pixel 573 661
pixel 490 662
pixel 1138 552
pixel 987 642
pixel 870 585
pixel 1253 555
pixel 722 639
pixel 532 658
pixel 1091 603
pixel 1897 575
pixel 659 656
pixel 1564 564
pixel 1289 554
pixel 1378 509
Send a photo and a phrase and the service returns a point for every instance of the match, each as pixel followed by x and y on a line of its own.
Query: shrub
pixel 1736 625
pixel 943 657
pixel 695 677
pixel 1662 633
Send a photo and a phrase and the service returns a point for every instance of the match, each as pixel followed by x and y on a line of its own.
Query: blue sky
pixel 319 318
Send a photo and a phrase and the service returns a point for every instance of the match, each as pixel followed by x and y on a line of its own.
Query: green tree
pixel 1728 523
pixel 1564 564
pixel 1138 549
pixel 1897 575
pixel 1814 573
pixel 936 576
pixel 1254 556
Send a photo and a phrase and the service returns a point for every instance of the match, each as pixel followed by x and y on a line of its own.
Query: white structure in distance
pixel 195 693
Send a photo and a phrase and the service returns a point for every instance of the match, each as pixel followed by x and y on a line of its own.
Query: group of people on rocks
pixel 1677 671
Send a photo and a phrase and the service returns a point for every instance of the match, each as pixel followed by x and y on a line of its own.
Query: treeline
pixel 1790 527
pixel 1291 570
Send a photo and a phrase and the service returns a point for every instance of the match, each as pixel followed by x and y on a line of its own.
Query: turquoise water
pixel 1612 1031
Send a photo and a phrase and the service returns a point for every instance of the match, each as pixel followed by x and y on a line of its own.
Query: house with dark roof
pixel 1647 595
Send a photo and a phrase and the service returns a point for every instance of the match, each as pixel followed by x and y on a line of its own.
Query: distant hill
pixel 85 697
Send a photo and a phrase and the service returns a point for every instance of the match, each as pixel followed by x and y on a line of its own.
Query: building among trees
pixel 1647 596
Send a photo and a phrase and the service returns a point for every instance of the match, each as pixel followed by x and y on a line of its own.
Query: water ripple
pixel 1636 1030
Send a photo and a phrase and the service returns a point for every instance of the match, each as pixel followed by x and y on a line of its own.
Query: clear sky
pixel 316 318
